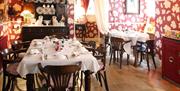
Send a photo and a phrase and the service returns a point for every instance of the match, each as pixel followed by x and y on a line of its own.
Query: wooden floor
pixel 129 78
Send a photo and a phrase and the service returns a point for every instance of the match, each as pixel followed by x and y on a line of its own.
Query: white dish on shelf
pixel 41 1
pixel 49 1
pixel 46 10
pixel 35 1
pixel 52 11
pixel 40 10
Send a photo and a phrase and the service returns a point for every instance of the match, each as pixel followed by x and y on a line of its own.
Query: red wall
pixel 120 20
pixel 167 18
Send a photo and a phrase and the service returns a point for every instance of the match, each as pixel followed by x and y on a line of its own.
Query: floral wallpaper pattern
pixel 167 19
pixel 119 20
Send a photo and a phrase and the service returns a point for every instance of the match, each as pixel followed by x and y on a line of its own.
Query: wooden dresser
pixel 171 59
pixel 38 32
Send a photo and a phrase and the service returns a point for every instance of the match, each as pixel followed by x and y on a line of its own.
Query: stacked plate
pixel 46 10
pixel 43 1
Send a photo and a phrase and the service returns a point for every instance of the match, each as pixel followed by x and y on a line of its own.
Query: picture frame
pixel 132 6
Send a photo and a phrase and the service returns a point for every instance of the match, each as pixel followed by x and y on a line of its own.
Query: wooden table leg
pixel 87 80
pixel 30 82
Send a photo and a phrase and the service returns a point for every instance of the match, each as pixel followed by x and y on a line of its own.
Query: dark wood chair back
pixel 117 43
pixel 18 44
pixel 150 46
pixel 58 77
pixel 10 62
pixel 100 53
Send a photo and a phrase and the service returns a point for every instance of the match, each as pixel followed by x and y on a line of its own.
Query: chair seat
pixel 12 69
pixel 21 55
pixel 101 65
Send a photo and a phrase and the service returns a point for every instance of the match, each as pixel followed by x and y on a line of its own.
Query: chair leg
pixel 4 83
pixel 148 62
pixel 105 81
pixel 7 86
pixel 114 56
pixel 110 58
pixel 121 55
pixel 136 58
pixel 13 83
pixel 81 80
pixel 117 58
pixel 127 59
pixel 141 58
pixel 152 55
pixel 99 78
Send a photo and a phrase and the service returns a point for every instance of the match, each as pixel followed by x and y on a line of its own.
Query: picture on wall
pixel 132 6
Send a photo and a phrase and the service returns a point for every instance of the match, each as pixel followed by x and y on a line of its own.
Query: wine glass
pixel 47 22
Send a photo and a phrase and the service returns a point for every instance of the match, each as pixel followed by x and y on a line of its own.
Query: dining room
pixel 89 45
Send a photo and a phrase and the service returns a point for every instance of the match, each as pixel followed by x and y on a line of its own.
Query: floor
pixel 129 78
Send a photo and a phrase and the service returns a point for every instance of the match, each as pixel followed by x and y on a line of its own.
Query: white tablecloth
pixel 71 53
pixel 134 36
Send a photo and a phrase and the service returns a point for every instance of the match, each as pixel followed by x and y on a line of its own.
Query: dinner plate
pixel 41 1
pixel 52 11
pixel 49 1
pixel 40 10
pixel 46 10
pixel 35 1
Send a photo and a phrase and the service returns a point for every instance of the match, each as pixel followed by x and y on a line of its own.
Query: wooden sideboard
pixel 171 59
pixel 38 32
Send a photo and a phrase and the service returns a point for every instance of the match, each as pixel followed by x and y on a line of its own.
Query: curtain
pixel 101 13
pixel 85 4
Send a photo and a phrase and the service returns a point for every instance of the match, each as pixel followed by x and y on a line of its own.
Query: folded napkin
pixel 34 51
pixel 38 43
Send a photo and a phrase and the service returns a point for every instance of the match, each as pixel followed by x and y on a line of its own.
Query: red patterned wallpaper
pixel 91 31
pixel 70 12
pixel 119 20
pixel 167 18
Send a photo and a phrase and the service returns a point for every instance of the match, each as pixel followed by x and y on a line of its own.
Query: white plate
pixel 40 10
pixel 46 10
pixel 49 1
pixel 41 1
pixel 52 11
pixel 35 1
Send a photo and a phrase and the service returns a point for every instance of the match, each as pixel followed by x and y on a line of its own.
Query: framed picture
pixel 132 6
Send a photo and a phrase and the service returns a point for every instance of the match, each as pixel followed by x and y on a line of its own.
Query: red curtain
pixel 85 4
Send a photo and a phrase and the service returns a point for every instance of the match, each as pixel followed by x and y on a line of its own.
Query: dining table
pixel 56 52
pixel 130 35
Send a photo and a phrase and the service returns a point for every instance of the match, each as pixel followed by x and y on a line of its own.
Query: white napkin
pixel 34 51
pixel 38 43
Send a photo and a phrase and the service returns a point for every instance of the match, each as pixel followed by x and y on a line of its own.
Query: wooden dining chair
pixel 20 46
pixel 60 78
pixel 100 54
pixel 107 42
pixel 10 64
pixel 145 49
pixel 117 49
pixel 89 45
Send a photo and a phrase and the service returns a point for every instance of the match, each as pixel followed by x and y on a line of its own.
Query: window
pixel 91 8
